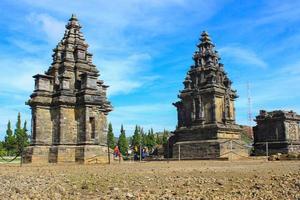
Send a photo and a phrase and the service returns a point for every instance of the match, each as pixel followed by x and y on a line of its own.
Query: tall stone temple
pixel 69 106
pixel 206 114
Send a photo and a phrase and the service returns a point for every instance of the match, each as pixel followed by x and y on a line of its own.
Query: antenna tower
pixel 249 109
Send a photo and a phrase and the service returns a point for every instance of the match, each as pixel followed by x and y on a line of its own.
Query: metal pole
pixel 108 153
pixel 140 153
pixel 267 150
pixel 230 150
pixel 21 157
pixel 168 150
pixel 179 152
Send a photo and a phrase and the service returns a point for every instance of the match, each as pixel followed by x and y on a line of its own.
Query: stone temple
pixel 69 106
pixel 280 129
pixel 206 114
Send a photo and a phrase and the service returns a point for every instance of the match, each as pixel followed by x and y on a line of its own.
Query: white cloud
pixel 52 28
pixel 291 69
pixel 16 74
pixel 280 11
pixel 26 45
pixel 111 18
pixel 242 56
pixel 125 75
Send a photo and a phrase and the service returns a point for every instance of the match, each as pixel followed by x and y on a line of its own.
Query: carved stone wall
pixel 280 129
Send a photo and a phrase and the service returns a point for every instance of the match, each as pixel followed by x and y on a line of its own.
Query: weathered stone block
pixel 89 154
pixel 36 154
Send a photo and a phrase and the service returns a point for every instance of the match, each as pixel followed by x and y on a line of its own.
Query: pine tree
pixel 123 143
pixel 110 137
pixel 144 140
pixel 21 135
pixel 151 140
pixel 25 134
pixel 10 140
pixel 136 138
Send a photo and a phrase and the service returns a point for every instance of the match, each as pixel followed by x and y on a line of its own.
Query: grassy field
pixel 8 158
pixel 154 180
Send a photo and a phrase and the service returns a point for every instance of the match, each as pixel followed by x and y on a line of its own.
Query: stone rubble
pixel 159 180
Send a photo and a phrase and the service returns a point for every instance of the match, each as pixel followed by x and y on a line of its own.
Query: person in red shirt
pixel 116 152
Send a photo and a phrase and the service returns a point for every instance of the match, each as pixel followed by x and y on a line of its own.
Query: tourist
pixel 116 151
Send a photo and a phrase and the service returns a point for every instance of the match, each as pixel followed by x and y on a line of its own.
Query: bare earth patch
pixel 154 180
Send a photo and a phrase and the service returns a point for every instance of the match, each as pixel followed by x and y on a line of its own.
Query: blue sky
pixel 143 49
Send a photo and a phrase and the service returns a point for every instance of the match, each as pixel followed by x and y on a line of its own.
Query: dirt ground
pixel 154 180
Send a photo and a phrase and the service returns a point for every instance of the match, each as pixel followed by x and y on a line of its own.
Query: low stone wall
pixel 260 149
pixel 83 154
pixel 210 149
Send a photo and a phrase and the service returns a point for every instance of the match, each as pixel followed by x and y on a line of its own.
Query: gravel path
pixel 154 180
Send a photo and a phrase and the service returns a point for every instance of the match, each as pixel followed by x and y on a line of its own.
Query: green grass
pixel 16 161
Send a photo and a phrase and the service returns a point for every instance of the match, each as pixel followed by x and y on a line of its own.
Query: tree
pixel 2 150
pixel 151 139
pixel 122 142
pixel 144 139
pixel 21 135
pixel 136 138
pixel 110 137
pixel 25 134
pixel 9 140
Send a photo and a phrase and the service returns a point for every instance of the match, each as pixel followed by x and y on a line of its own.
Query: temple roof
pixel 207 71
pixel 72 72
pixel 72 41
pixel 72 50
pixel 205 39
pixel 206 55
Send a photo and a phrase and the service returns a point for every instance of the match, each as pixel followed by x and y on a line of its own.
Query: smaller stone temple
pixel 206 114
pixel 278 131
pixel 69 106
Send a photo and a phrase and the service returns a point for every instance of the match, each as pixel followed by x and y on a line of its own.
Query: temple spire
pixel 205 39
pixel 73 17
pixel 73 23
pixel 206 55
pixel 73 43
pixel 71 55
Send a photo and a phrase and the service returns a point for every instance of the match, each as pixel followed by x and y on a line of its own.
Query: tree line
pixel 15 141
pixel 140 139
